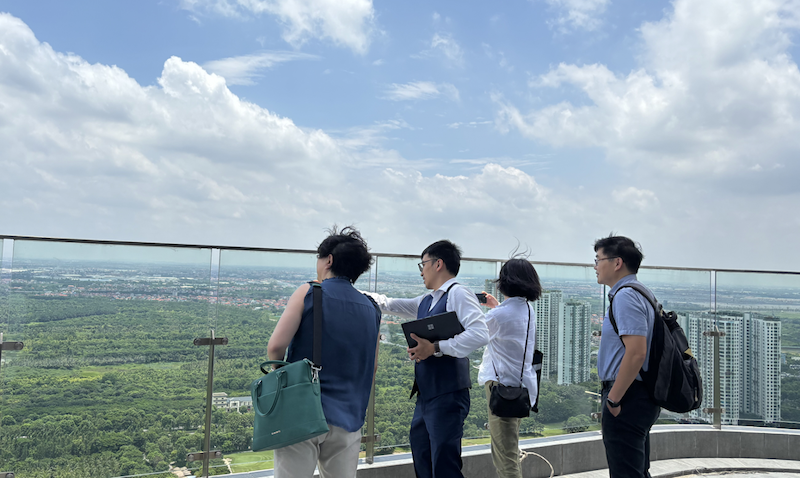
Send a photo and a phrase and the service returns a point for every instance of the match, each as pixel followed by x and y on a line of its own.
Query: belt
pixel 607 384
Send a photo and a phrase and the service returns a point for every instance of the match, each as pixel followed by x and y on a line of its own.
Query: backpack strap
pixel 316 356
pixel 638 288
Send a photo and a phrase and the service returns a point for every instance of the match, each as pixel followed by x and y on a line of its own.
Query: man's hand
pixel 423 350
pixel 491 301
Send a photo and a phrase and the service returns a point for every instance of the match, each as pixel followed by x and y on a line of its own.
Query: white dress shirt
pixel 507 330
pixel 460 300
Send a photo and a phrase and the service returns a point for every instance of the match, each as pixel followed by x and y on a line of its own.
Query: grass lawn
pixel 250 461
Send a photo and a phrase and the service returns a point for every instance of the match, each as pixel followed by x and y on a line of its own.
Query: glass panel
pixel 690 294
pixel 570 308
pixel 760 353
pixel 109 382
pixel 253 290
pixel 395 277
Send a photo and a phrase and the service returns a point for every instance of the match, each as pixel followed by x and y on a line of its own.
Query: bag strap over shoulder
pixel 638 288
pixel 525 353
pixel 316 356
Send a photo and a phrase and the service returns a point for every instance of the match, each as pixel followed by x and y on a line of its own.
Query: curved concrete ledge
pixel 673 449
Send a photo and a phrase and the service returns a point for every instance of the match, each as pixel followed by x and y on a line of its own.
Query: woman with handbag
pixel 350 324
pixel 506 370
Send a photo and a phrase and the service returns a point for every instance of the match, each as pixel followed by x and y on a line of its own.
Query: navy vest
pixel 350 323
pixel 436 376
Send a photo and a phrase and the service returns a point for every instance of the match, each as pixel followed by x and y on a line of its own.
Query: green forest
pixel 107 388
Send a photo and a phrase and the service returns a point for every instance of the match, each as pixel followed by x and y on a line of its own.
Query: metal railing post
pixel 207 453
pixel 716 410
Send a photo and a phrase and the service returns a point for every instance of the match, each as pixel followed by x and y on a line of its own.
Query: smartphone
pixel 481 297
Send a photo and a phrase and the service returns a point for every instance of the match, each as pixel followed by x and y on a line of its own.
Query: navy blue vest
pixel 436 376
pixel 350 323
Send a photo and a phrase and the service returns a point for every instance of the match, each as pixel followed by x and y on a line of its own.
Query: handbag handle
pixel 272 362
pixel 281 375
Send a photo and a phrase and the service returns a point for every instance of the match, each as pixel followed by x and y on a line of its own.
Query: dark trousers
pixel 627 436
pixel 436 431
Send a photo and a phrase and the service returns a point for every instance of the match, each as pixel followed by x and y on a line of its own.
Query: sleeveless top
pixel 350 324
pixel 436 376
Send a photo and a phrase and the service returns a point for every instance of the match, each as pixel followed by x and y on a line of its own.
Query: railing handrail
pixel 110 242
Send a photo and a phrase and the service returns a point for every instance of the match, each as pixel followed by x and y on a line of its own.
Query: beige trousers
pixel 505 441
pixel 336 452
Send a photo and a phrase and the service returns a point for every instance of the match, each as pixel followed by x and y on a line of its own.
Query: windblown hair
pixel 351 256
pixel 518 278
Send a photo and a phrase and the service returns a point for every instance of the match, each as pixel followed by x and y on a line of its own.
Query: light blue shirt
pixel 634 316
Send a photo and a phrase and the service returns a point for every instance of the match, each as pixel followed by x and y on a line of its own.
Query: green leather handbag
pixel 287 401
pixel 287 405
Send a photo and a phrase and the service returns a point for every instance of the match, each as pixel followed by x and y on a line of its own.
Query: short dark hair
pixel 448 252
pixel 518 278
pixel 622 247
pixel 351 256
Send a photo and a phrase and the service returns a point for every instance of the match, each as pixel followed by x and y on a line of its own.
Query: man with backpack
pixel 624 351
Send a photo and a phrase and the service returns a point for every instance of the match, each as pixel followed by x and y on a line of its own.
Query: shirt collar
pixel 625 280
pixel 443 287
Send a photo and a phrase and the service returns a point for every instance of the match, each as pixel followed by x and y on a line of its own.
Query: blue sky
pixel 551 122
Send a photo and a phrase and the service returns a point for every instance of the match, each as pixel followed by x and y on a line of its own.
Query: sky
pixel 540 123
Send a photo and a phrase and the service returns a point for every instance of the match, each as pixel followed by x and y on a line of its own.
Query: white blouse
pixel 507 328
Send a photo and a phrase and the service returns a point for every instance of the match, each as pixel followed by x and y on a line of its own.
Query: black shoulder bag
pixel 512 402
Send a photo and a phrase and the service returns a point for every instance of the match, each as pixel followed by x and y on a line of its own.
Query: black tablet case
pixel 433 328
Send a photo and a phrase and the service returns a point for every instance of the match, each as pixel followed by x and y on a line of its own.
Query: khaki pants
pixel 505 441
pixel 336 452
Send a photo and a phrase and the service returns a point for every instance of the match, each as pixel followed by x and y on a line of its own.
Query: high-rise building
pixel 574 343
pixel 563 335
pixel 749 367
pixel 549 313
pixel 761 368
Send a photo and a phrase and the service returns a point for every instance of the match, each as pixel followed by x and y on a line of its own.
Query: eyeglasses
pixel 422 264
pixel 597 261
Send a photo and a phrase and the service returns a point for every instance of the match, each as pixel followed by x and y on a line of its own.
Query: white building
pixel 574 343
pixel 749 364
pixel 563 335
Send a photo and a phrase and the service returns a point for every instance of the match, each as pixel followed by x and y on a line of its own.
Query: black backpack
pixel 672 377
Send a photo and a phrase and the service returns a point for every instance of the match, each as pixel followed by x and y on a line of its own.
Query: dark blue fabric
pixel 350 324
pixel 436 432
pixel 438 424
pixel 626 437
pixel 438 375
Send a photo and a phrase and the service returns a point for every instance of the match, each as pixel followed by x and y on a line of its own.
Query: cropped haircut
pixel 622 247
pixel 351 256
pixel 448 252
pixel 518 278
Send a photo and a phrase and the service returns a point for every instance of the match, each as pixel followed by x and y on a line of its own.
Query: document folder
pixel 433 328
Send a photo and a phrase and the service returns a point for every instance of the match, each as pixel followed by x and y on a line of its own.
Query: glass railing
pixel 113 376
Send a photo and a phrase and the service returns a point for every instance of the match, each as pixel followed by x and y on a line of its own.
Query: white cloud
pixel 420 90
pixel 348 23
pixel 468 124
pixel 245 69
pixel 716 94
pixel 634 198
pixel 443 46
pixel 577 14
pixel 88 152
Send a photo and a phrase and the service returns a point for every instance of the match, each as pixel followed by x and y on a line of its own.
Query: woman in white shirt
pixel 508 355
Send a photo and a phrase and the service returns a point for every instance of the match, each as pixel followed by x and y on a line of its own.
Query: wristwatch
pixel 437 352
pixel 612 403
